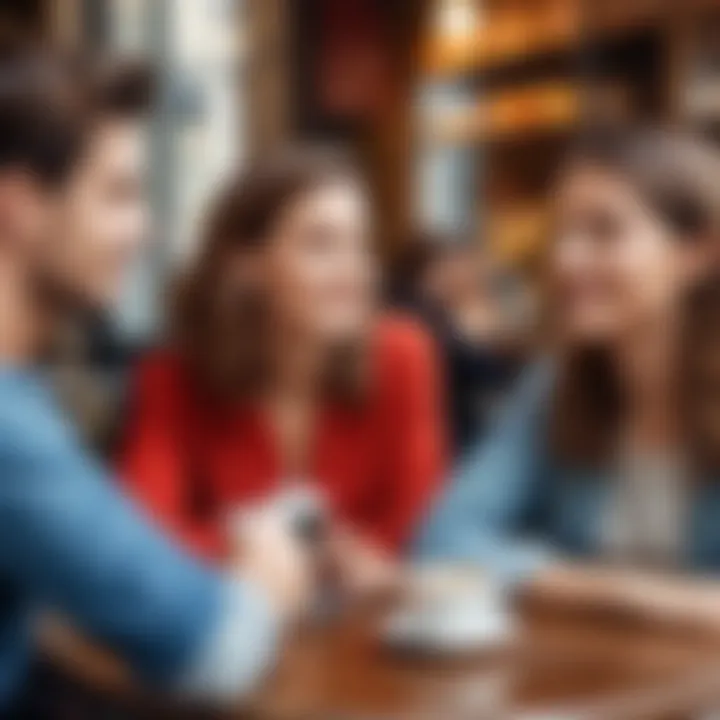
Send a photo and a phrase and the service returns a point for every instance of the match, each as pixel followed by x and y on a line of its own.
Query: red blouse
pixel 189 460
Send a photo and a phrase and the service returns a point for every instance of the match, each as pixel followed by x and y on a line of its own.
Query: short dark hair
pixel 124 89
pixel 48 105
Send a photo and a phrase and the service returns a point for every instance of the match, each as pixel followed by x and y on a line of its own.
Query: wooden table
pixel 559 669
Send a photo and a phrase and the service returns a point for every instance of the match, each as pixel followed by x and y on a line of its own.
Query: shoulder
pixel 406 363
pixel 537 381
pixel 160 364
pixel 30 421
pixel 401 341
pixel 161 371
pixel 530 401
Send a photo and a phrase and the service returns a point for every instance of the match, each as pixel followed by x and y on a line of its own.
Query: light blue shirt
pixel 513 507
pixel 70 541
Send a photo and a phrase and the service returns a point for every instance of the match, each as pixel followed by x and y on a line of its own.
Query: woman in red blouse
pixel 280 370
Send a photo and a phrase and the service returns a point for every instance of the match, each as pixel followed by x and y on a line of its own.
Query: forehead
pixel 588 185
pixel 114 144
pixel 339 199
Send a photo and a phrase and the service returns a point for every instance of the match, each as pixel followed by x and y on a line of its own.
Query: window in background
pixel 447 192
pixel 196 136
pixel 447 154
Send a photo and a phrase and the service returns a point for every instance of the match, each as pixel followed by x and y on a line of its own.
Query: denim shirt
pixel 72 543
pixel 513 508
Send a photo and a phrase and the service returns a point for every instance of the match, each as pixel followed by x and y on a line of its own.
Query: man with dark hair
pixel 103 224
pixel 70 217
pixel 104 220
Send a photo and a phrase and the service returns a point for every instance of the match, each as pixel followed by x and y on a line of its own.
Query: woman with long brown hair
pixel 280 371
pixel 611 449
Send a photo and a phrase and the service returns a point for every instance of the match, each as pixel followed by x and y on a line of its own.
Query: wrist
pixel 275 590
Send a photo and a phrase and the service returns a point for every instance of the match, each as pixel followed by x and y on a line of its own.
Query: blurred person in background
pixel 453 288
pixel 282 374
pixel 610 449
pixel 70 217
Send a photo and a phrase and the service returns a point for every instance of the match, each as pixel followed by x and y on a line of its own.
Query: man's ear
pixel 23 206
pixel 248 268
pixel 713 254
pixel 700 257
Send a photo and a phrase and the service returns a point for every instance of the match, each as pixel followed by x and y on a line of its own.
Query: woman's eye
pixel 319 239
pixel 603 226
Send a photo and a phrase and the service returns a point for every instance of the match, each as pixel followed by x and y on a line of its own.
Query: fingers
pixel 268 553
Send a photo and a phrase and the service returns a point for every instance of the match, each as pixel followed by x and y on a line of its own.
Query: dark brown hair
pixel 224 340
pixel 677 175
pixel 124 89
pixel 420 250
pixel 49 101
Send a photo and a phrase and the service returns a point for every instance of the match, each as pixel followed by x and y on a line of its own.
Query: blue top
pixel 70 541
pixel 513 507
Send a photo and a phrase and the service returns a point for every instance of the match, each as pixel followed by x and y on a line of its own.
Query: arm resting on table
pixel 77 546
pixel 477 519
pixel 685 602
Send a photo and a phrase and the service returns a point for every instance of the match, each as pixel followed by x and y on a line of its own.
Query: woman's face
pixel 318 266
pixel 615 266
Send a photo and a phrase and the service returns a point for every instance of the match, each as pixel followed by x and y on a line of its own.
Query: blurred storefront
pixel 512 80
pixel 459 110
pixel 353 83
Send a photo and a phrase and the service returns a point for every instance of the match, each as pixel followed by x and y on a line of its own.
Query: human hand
pixel 268 554
pixel 363 570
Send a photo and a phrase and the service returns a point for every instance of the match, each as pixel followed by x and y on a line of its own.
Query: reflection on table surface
pixel 558 668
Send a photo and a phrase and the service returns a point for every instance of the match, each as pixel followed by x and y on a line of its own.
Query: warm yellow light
pixel 456 19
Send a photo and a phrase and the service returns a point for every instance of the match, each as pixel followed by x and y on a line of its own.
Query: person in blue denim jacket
pixel 610 450
pixel 70 216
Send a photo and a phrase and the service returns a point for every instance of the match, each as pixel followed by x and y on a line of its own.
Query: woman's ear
pixel 26 212
pixel 713 254
pixel 246 268
pixel 700 258
pixel 241 274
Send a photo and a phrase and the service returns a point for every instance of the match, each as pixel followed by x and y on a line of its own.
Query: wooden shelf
pixel 535 78
pixel 525 43
pixel 517 232
pixel 535 134
pixel 525 111
pixel 505 35
pixel 609 17
pixel 451 63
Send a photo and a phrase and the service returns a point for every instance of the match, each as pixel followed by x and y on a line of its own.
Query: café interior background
pixel 458 109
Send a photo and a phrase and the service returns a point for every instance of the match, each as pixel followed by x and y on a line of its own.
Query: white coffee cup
pixel 451 609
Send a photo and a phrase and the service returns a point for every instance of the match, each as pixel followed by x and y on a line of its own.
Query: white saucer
pixel 461 631
pixel 451 608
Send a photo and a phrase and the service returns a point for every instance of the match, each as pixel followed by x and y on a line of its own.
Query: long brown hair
pixel 678 177
pixel 224 340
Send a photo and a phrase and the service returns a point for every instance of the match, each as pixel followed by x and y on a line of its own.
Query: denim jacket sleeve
pixel 480 516
pixel 70 541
